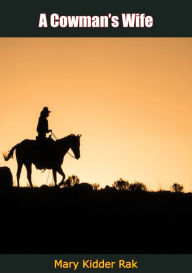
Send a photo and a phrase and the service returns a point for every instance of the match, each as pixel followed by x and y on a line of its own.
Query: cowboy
pixel 42 127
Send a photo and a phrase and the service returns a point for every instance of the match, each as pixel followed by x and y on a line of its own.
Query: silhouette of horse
pixel 47 155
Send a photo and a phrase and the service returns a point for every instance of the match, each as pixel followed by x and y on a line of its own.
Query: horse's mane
pixel 65 138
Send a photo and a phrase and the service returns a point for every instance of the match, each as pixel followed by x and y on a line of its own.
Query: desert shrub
pixel 109 189
pixel 95 186
pixel 44 186
pixel 71 181
pixel 6 178
pixel 177 187
pixel 121 184
pixel 83 187
pixel 137 186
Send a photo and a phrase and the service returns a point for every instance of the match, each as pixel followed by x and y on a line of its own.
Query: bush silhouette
pixel 121 184
pixel 177 188
pixel 109 189
pixel 71 181
pixel 137 186
pixel 95 186
pixel 6 178
pixel 84 187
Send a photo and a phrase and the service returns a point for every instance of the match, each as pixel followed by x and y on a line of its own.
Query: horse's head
pixel 75 145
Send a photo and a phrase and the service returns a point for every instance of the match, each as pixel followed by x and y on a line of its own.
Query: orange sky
pixel 130 98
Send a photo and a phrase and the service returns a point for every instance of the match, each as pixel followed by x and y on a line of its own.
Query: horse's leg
pixel 19 167
pixel 60 171
pixel 28 167
pixel 55 176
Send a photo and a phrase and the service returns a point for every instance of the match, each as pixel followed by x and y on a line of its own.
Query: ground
pixel 54 220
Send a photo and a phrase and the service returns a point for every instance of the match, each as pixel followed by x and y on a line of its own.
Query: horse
pixel 44 155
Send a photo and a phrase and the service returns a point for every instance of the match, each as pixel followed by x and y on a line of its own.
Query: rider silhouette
pixel 42 127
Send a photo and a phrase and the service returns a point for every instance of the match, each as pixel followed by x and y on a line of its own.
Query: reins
pixel 52 134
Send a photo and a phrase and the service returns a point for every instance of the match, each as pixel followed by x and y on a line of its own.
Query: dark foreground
pixel 54 220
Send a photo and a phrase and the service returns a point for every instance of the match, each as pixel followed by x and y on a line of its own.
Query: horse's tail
pixel 10 154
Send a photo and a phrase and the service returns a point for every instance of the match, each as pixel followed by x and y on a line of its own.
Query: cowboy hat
pixel 46 110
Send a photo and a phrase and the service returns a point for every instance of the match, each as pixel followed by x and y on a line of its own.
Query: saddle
pixel 45 152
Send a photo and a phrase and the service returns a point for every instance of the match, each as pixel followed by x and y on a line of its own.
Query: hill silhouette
pixel 81 220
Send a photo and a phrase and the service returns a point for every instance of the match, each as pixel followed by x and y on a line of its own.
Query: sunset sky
pixel 130 98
